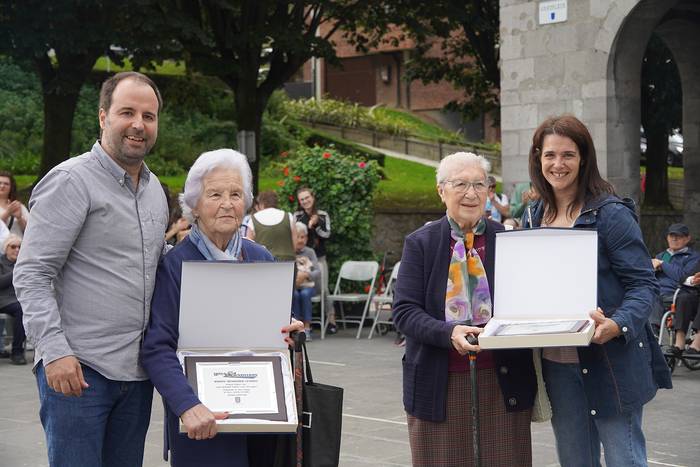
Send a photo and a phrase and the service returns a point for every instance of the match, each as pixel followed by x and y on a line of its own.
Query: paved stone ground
pixel 374 428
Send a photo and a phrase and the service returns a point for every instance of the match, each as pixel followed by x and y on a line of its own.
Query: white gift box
pixel 234 309
pixel 543 275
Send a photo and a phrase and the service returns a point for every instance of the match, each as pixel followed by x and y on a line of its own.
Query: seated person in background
pixel 8 300
pixel 273 228
pixel 308 279
pixel 672 267
pixel 687 303
pixel 497 207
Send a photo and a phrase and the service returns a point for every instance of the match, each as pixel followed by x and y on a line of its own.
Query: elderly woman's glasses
pixel 462 186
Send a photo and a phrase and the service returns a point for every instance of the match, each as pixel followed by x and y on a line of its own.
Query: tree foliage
pixel 61 40
pixel 661 113
pixel 255 46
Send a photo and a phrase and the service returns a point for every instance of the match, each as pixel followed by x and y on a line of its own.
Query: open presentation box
pixel 542 276
pixel 231 314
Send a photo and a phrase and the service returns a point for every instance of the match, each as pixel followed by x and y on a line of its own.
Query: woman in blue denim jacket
pixel 598 392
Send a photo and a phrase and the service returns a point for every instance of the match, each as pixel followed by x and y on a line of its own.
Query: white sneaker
pixel 308 333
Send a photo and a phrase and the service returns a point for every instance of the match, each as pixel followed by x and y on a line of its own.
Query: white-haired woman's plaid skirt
pixel 505 436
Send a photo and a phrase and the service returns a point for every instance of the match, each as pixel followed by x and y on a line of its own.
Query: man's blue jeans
pixel 105 427
pixel 579 434
pixel 301 303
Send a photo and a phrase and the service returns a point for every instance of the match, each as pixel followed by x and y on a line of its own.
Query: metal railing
pixel 433 151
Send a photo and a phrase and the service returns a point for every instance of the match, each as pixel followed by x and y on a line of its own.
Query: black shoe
pixel 692 351
pixel 4 354
pixel 673 351
pixel 332 329
pixel 18 359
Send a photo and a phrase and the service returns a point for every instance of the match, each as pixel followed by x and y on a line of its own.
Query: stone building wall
pixel 590 66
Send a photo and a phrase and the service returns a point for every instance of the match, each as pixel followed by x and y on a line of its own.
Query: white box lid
pixel 226 304
pixel 545 273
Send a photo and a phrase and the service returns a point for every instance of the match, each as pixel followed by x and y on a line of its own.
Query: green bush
pixel 344 187
pixel 277 136
pixel 333 112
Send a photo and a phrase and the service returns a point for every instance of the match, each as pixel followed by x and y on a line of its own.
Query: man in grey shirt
pixel 84 278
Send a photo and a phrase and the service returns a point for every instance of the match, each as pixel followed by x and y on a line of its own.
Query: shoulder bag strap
pixel 309 376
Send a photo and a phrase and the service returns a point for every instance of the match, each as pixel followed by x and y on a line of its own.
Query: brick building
pixel 377 78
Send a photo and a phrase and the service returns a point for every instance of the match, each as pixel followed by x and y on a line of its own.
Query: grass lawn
pixel 674 173
pixel 408 185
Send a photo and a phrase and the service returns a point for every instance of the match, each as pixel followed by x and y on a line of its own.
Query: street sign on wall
pixel 553 11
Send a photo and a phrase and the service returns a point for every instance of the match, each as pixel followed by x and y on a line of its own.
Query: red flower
pixel 284 154
pixel 362 165
pixel 367 288
pixel 291 198
pixel 280 183
pixel 285 171
pixel 326 155
pixel 297 178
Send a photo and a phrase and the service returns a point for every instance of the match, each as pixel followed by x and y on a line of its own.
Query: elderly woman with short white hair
pixel 216 196
pixel 444 292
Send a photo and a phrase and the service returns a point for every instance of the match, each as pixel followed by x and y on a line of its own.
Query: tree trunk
pixel 59 110
pixel 249 112
pixel 60 86
pixel 656 193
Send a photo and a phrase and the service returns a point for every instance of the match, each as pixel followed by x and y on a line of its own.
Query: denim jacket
pixel 624 373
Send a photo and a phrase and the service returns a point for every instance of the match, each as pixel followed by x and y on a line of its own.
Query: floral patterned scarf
pixel 468 297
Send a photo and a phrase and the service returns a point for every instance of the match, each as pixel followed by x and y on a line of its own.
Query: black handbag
pixel 322 421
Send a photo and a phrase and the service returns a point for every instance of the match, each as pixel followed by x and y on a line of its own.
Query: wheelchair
pixel 667 337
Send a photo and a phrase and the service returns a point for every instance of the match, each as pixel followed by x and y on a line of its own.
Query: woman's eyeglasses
pixel 462 186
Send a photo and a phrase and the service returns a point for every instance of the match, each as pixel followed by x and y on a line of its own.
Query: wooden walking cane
pixel 476 438
pixel 299 339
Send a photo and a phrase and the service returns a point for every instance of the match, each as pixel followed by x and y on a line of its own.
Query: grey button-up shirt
pixel 86 270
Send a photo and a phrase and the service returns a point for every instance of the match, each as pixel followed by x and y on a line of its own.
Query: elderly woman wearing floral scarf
pixel 444 292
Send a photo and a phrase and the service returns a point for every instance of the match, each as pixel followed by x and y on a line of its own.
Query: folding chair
pixel 383 301
pixel 321 299
pixel 356 271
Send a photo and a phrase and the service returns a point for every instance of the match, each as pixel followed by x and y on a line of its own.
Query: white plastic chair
pixel 321 299
pixel 383 301
pixel 355 271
